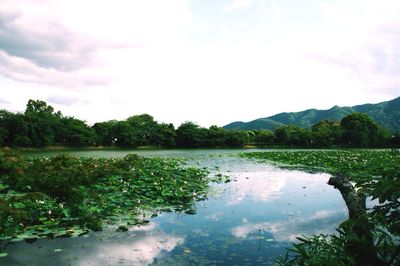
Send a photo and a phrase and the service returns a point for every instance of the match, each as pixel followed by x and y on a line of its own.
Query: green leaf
pixel 19 205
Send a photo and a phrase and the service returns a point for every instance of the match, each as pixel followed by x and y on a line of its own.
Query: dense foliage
pixel 376 174
pixel 66 195
pixel 41 126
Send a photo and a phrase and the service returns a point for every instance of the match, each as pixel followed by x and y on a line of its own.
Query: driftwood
pixel 362 248
pixel 355 201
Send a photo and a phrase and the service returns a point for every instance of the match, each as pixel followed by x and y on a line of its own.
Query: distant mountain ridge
pixel 387 114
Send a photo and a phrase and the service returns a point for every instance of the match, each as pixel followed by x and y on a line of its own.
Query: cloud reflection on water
pixel 258 189
pixel 143 245
pixel 215 216
pixel 322 222
pixel 268 185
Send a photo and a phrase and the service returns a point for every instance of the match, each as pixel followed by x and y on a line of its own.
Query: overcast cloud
pixel 2 101
pixel 206 61
pixel 50 46
pixel 62 100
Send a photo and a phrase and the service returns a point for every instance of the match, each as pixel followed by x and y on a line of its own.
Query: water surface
pixel 248 221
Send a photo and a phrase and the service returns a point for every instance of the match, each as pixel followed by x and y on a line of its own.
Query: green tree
pixel 135 131
pixel 359 130
pixel 237 138
pixel 15 129
pixel 3 128
pixel 144 129
pixel 189 134
pixel 264 137
pixel 293 136
pixel 75 132
pixel 165 135
pixel 326 134
pixel 106 132
pixel 41 119
pixel 3 135
pixel 125 135
pixel 395 140
pixel 216 137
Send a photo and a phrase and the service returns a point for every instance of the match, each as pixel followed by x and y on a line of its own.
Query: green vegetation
pixel 66 196
pixel 355 130
pixel 41 126
pixel 386 114
pixel 369 237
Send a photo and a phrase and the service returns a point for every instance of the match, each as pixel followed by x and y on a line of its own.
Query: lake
pixel 248 221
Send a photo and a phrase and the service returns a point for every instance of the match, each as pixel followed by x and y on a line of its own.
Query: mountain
pixel 386 114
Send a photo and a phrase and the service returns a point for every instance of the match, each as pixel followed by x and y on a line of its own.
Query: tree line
pixel 40 125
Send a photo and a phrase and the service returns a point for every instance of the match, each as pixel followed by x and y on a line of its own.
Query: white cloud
pixel 322 222
pixel 178 62
pixel 264 187
pixel 247 228
pixel 46 44
pixel 62 100
pixel 22 69
pixel 144 246
pixel 363 41
pixel 238 4
pixel 272 7
pixel 215 216
pixel 57 44
pixel 147 23
pixel 36 49
pixel 141 245
pixel 2 101
pixel 261 189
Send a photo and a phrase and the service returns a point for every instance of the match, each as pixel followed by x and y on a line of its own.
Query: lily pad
pixel 122 228
pixel 104 189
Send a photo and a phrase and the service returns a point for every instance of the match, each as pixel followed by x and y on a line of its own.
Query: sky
pixel 208 61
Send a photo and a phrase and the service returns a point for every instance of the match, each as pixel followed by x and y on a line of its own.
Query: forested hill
pixel 387 114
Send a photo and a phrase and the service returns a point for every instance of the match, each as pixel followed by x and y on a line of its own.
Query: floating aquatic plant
pixel 67 196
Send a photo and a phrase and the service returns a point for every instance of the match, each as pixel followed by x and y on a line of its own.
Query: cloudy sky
pixel 208 61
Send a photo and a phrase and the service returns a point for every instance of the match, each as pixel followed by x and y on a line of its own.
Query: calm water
pixel 248 221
